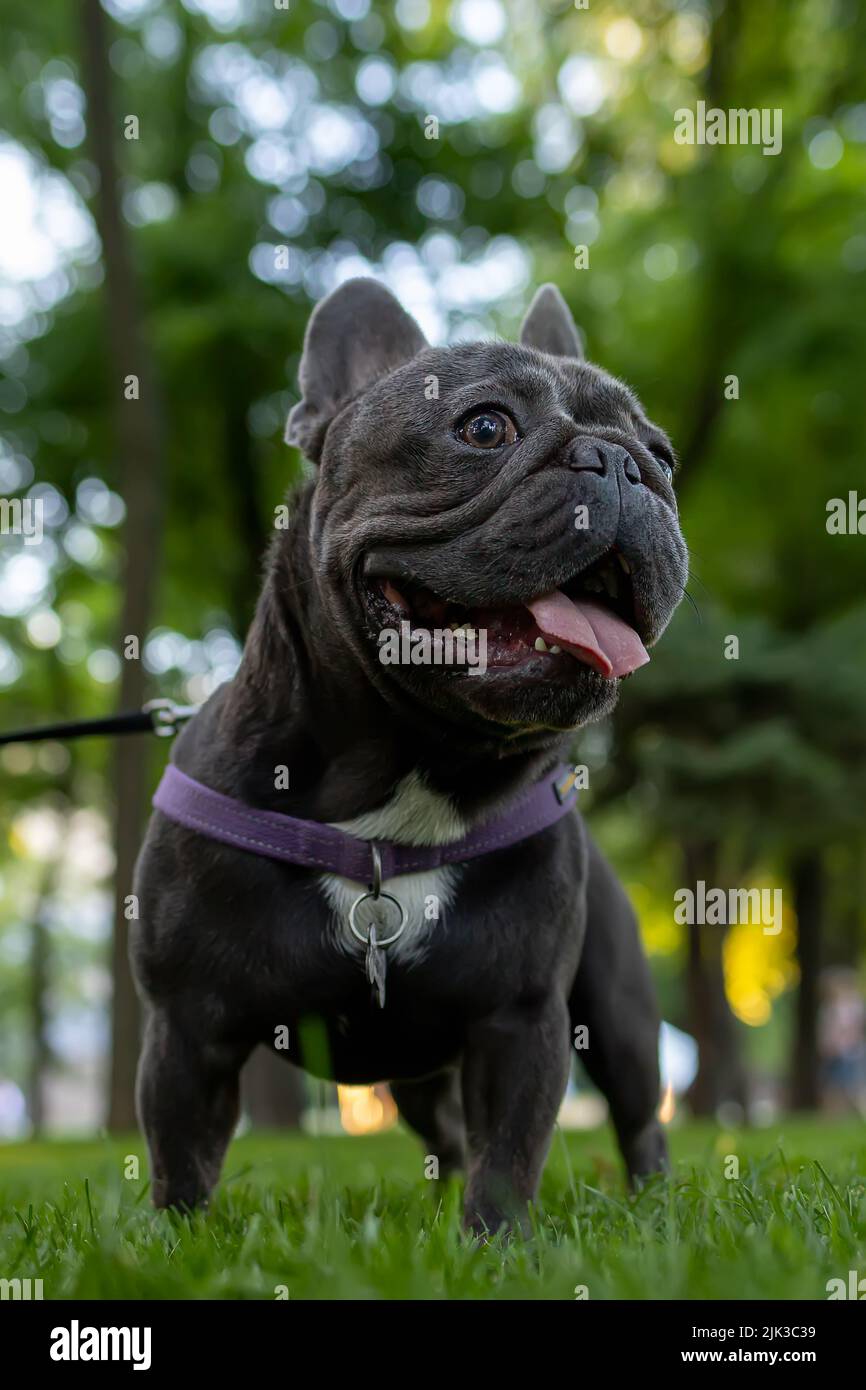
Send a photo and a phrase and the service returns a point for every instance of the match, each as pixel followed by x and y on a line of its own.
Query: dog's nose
pixel 600 456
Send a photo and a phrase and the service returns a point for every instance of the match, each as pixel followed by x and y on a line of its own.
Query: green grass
pixel 355 1219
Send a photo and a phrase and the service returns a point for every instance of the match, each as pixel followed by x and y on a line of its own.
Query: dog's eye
pixel 488 429
pixel 665 463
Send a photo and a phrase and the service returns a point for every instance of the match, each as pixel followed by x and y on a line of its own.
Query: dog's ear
pixel 355 336
pixel 549 325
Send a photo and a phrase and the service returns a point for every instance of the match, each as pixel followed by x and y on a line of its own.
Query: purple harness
pixel 316 845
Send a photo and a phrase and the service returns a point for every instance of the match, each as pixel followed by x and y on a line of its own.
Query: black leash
pixel 160 717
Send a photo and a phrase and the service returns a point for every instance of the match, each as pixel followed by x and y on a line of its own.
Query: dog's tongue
pixel 590 632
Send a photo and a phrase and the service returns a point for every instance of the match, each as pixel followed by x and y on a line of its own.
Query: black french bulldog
pixel 451 487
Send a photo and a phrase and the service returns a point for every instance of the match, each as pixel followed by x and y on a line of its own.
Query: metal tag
pixel 377 964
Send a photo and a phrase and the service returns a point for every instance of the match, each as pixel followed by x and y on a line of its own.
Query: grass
pixel 336 1218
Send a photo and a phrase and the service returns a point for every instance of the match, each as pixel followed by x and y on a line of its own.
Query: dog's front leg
pixel 515 1067
pixel 188 1099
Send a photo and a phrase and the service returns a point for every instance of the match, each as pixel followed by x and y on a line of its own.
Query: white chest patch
pixel 415 815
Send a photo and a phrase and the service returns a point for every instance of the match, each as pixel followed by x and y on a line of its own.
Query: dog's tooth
pixel 461 628
pixel 453 625
pixel 540 644
pixel 555 651
pixel 624 564
pixel 609 580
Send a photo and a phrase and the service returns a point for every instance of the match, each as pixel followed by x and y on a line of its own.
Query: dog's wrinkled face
pixel 515 491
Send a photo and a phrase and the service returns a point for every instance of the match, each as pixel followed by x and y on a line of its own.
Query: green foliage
pixel 765 747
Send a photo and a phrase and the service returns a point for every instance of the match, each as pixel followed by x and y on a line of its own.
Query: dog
pixel 509 488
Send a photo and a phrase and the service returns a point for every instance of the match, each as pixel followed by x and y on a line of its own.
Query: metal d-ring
pixel 375 894
pixel 386 940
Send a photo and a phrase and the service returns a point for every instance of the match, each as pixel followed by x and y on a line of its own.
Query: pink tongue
pixel 590 632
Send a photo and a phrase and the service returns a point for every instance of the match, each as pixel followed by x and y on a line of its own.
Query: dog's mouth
pixel 590 619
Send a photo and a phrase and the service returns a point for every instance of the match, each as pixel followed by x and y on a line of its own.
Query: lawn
pixel 340 1218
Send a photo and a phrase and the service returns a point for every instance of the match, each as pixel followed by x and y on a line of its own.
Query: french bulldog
pixel 513 488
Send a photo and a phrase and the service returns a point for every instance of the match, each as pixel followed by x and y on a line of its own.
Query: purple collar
pixel 316 845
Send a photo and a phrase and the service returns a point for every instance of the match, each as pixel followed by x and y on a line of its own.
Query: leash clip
pixel 166 715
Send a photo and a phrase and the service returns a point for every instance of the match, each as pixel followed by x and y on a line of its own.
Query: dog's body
pixel 505 955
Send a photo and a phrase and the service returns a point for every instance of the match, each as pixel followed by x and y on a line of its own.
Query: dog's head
pixel 512 489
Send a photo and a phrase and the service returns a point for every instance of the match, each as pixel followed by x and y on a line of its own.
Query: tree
pixel 141 443
pixel 755 758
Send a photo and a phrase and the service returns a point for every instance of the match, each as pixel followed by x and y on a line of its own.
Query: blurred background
pixel 180 182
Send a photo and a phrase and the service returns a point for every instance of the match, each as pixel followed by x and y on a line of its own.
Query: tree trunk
pixel 141 446
pixel 272 1091
pixel 39 968
pixel 807 879
pixel 850 880
pixel 707 399
pixel 721 1077
pixel 241 482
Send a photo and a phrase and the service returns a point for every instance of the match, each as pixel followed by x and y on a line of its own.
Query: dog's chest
pixel 415 815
